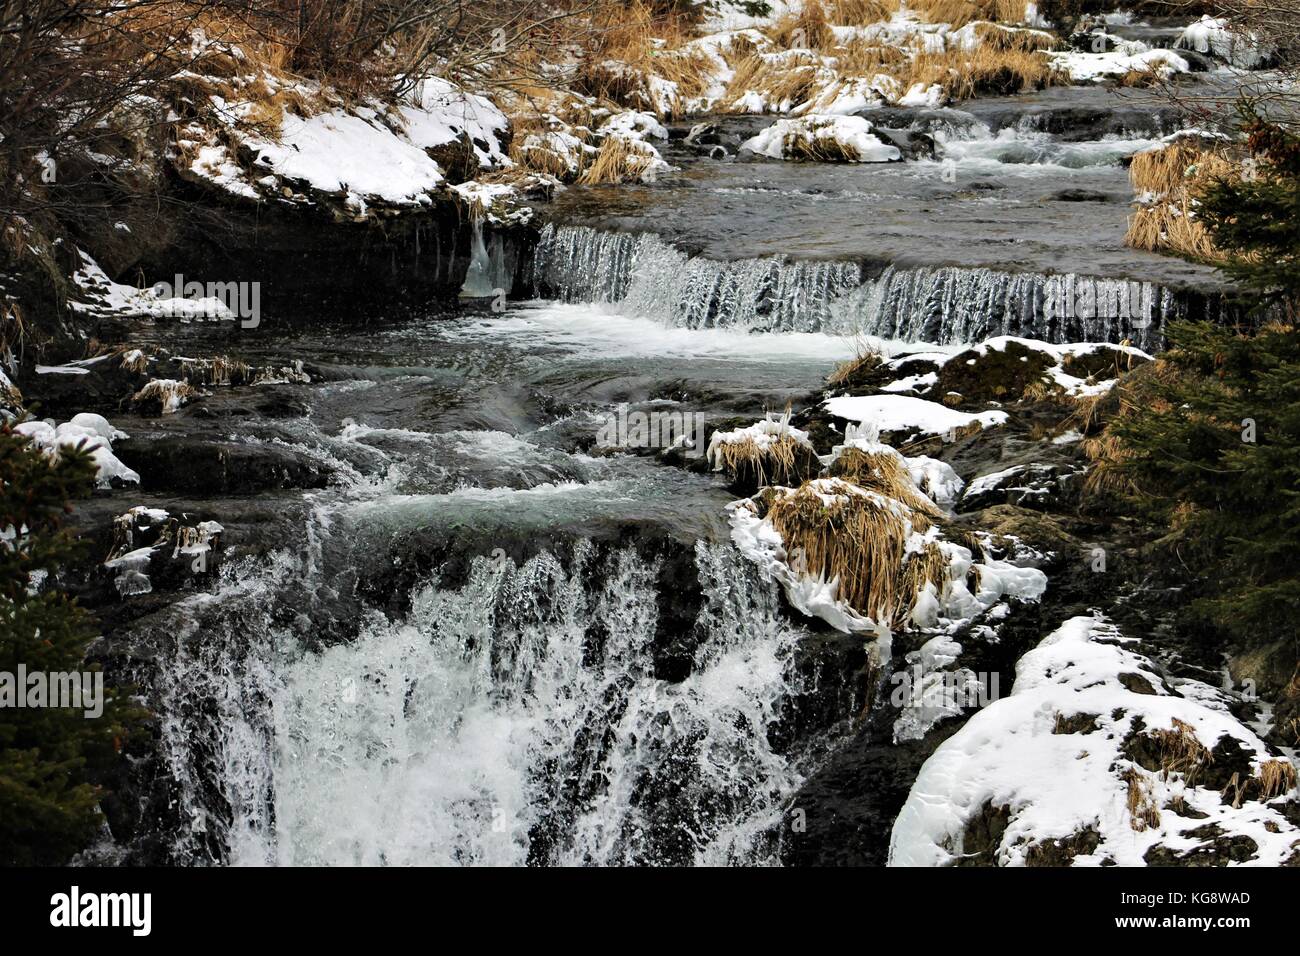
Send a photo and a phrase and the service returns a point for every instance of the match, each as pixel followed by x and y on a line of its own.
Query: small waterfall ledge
pixel 946 305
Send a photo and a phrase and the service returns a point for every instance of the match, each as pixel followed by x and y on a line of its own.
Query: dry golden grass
pixel 883 472
pixel 807 146
pixel 789 80
pixel 859 539
pixel 861 57
pixel 1175 175
pixel 1275 778
pixel 854 13
pixel 865 361
pixel 1180 750
pixel 620 160
pixel 961 12
pixel 1005 38
pixel 167 394
pixel 963 74
pixel 809 29
pixel 781 462
pixel 1142 809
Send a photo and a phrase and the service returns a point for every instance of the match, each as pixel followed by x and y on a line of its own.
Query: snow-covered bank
pixel 1093 759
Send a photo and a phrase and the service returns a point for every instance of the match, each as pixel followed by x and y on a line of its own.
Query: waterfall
pixel 516 718
pixel 646 276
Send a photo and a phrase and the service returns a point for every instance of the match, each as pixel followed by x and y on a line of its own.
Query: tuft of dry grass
pixel 780 462
pixel 809 29
pixel 1142 810
pixel 1181 751
pixel 1175 174
pixel 856 13
pixel 861 57
pixel 805 145
pixel 168 394
pixel 1275 778
pixel 961 12
pixel 619 160
pixel 790 80
pixel 883 472
pixel 966 73
pixel 859 538
pixel 865 361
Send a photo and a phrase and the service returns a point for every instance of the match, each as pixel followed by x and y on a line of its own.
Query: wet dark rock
pixel 202 467
pixel 1216 851
pixel 1039 486
pixel 1080 195
pixel 913 145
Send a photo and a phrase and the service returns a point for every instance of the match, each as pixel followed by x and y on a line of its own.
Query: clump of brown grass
pixel 805 144
pixel 1181 751
pixel 862 57
pixel 1004 38
pixel 1142 810
pixel 788 80
pixel 859 538
pixel 860 12
pixel 808 29
pixel 1275 778
pixel 961 12
pixel 1175 175
pixel 963 74
pixel 883 472
pixel 619 160
pixel 865 361
pixel 784 461
pixel 169 395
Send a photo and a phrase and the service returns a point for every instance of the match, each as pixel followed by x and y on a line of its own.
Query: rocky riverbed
pixel 429 563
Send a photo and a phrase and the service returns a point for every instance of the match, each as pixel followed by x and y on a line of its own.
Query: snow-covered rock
pixel 1092 759
pixel 903 413
pixel 1215 36
pixel 847 138
pixel 91 431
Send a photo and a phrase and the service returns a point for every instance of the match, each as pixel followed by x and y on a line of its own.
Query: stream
pixel 483 640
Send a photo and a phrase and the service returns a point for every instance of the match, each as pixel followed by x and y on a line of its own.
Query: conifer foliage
pixel 1215 452
pixel 49 809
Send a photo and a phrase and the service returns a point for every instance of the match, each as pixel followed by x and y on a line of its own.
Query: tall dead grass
pixel 1174 175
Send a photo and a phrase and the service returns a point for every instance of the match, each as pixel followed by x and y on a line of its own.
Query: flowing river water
pixel 484 641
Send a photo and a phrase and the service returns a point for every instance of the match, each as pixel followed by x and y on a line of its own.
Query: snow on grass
pixel 1061 754
pixel 823 138
pixel 440 113
pixel 903 413
pixel 361 154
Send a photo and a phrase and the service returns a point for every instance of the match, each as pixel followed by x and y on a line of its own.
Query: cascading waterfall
pixel 514 719
pixel 944 305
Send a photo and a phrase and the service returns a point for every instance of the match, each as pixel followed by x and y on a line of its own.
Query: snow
pixel 763 434
pixel 1056 784
pixel 898 413
pixel 97 435
pixel 440 113
pixel 343 153
pixel 1214 35
pixel 852 132
pixel 1097 67
pixel 107 297
pixel 936 478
